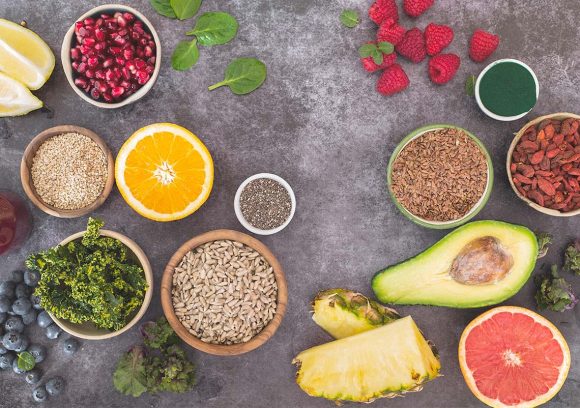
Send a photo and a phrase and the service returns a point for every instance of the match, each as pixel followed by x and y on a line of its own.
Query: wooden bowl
pixel 218 349
pixel 26 177
pixel 544 210
pixel 88 330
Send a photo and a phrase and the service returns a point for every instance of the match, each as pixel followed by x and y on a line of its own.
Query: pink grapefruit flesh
pixel 513 357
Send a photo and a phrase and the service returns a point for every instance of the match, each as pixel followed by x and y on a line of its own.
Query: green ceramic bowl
pixel 441 224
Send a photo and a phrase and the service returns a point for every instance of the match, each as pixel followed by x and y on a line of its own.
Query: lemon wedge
pixel 24 55
pixel 15 98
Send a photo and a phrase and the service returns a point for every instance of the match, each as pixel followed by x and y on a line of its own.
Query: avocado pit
pixel 482 261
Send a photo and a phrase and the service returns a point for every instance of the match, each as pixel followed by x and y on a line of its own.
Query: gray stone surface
pixel 319 123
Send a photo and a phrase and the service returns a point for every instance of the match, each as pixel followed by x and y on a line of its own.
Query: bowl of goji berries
pixel 543 164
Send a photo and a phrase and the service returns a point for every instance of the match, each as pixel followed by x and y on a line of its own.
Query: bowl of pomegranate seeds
pixel 111 56
pixel 543 164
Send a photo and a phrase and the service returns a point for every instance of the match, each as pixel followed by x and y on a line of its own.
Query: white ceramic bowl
pixel 487 111
pixel 66 60
pixel 238 210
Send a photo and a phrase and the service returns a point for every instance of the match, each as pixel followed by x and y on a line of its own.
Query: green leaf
pixel 185 55
pixel 386 47
pixel 130 377
pixel 572 258
pixel 366 50
pixel 470 85
pixel 349 18
pixel 377 57
pixel 185 9
pixel 544 240
pixel 243 75
pixel 159 334
pixel 163 7
pixel 554 293
pixel 214 28
pixel 26 361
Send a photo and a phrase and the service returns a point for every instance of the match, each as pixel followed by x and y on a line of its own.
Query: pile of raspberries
pixel 415 45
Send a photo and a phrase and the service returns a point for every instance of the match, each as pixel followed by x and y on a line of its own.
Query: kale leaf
pixel 544 242
pixel 554 292
pixel 130 377
pixel 572 258
pixel 159 334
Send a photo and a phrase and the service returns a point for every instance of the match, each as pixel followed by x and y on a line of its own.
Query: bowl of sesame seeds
pixel 67 171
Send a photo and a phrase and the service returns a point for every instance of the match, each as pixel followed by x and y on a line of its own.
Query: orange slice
pixel 164 172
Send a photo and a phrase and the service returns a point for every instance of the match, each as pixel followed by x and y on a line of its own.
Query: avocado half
pixel 431 277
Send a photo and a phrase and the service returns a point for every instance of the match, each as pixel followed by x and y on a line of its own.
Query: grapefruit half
pixel 513 357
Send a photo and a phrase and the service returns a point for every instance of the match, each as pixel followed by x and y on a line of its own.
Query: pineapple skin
pixel 396 359
pixel 343 313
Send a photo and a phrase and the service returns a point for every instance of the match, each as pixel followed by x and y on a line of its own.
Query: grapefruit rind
pixel 468 376
pixel 128 147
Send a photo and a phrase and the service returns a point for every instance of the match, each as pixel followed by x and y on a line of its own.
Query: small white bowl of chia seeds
pixel 265 204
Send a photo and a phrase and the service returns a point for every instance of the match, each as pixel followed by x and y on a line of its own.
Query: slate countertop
pixel 319 123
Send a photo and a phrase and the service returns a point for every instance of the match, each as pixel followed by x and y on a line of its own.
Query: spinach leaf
pixel 130 376
pixel 214 28
pixel 163 7
pixel 243 75
pixel 185 55
pixel 349 18
pixel 26 361
pixel 185 9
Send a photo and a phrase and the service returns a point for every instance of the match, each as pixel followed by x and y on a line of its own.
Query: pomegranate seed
pixel 149 69
pixel 107 63
pixel 81 82
pixel 142 77
pixel 99 34
pixel 125 84
pixel 135 35
pixel 112 84
pixel 89 21
pixel 75 65
pixel 93 62
pixel 129 17
pixel 117 14
pixel 110 75
pixel 82 67
pixel 89 73
pixel 120 40
pixel 121 21
pixel 78 26
pixel 84 49
pixel 152 60
pixel 126 73
pixel 99 22
pixel 100 74
pixel 89 41
pixel 83 32
pixel 95 93
pixel 143 41
pixel 100 46
pixel 107 97
pixel 151 44
pixel 128 54
pixel 111 25
pixel 140 53
pixel 148 51
pixel 117 92
pixel 130 65
pixel 138 28
pixel 120 61
pixel 115 50
pixel 101 86
pixel 75 54
pixel 139 63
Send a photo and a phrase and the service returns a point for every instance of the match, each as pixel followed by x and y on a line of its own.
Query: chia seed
pixel 265 203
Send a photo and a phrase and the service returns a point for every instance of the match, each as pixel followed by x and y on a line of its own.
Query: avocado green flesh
pixel 425 278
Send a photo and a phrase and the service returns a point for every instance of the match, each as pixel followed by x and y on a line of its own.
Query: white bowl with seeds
pixel 67 171
pixel 265 204
pixel 224 293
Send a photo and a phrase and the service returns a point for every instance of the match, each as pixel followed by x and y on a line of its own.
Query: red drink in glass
pixel 15 221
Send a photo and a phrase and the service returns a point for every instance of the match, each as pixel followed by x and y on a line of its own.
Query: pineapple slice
pixel 385 362
pixel 343 313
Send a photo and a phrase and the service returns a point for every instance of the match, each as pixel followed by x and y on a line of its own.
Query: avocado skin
pixel 460 303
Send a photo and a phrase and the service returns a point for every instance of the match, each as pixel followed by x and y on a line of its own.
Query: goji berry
pixel 537 157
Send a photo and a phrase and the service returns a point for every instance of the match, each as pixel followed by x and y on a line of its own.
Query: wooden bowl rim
pixel 143 260
pixel 26 177
pixel 517 137
pixel 218 349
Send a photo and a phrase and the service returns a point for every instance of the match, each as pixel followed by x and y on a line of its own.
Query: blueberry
pixel 21 306
pixel 53 331
pixel 15 367
pixel 44 320
pixel 14 324
pixel 7 289
pixel 29 317
pixel 5 304
pixel 6 360
pixel 39 394
pixel 23 345
pixel 35 300
pixel 12 340
pixel 32 376
pixel 71 345
pixel 17 276
pixel 22 290
pixel 54 386
pixel 38 352
pixel 3 317
pixel 31 278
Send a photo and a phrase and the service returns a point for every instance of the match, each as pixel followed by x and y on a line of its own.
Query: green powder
pixel 508 89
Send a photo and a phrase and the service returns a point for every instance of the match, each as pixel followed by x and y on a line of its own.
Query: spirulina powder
pixel 508 89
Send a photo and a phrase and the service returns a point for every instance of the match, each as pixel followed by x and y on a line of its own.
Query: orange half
pixel 164 172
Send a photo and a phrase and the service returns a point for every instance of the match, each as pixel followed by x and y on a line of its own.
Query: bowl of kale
pixel 95 284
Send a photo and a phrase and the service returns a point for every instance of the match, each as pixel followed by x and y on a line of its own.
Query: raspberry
pixel 414 8
pixel 442 68
pixel 390 31
pixel 412 46
pixel 370 65
pixel 392 80
pixel 482 45
pixel 380 10
pixel 437 37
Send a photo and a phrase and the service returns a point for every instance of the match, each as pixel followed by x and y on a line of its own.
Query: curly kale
pixel 554 292
pixel 544 242
pixel 159 365
pixel 90 280
pixel 572 258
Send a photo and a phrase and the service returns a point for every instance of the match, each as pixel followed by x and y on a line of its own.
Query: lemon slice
pixel 164 172
pixel 15 98
pixel 24 55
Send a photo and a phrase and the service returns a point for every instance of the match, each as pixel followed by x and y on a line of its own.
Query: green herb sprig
pixel 376 51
